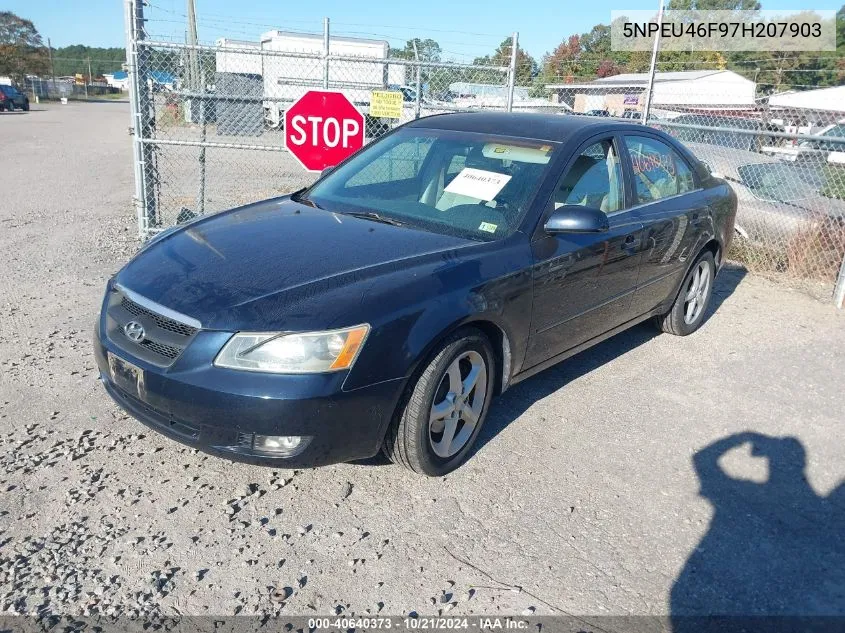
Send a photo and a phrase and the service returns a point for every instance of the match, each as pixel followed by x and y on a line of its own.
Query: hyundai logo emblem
pixel 134 331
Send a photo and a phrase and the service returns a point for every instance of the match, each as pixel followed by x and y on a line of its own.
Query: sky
pixel 463 29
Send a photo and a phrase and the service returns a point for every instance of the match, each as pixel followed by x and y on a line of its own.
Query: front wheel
pixel 687 313
pixel 445 408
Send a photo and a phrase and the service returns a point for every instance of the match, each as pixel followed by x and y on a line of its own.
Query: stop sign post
pixel 322 128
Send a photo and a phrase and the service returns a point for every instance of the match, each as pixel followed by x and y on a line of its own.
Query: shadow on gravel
pixel 514 402
pixel 773 548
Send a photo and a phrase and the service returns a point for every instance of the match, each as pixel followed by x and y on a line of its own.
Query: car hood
pixel 250 266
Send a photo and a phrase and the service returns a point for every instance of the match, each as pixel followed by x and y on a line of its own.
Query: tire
pixel 690 307
pixel 26 107
pixel 419 437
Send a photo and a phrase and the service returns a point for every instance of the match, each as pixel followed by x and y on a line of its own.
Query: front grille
pixel 164 338
pixel 163 322
pixel 168 351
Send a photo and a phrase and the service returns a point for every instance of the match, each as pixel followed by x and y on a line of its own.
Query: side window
pixel 659 172
pixel 593 180
pixel 398 163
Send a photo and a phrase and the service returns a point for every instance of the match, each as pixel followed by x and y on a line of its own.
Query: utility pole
pixel 50 54
pixel 654 52
pixel 90 78
pixel 52 71
pixel 512 70
pixel 193 73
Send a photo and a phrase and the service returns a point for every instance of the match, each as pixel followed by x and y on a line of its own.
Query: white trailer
pixel 288 77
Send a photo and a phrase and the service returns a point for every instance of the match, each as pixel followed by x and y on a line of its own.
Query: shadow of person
pixel 773 547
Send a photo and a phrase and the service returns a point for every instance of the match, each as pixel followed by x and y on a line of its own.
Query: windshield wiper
pixel 297 196
pixel 375 217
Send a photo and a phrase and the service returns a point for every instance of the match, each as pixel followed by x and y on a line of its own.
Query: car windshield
pixel 9 90
pixel 476 186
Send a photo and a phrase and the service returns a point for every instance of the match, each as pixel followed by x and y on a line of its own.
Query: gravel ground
pixel 582 498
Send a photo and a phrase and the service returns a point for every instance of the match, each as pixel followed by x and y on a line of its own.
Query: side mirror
pixel 573 218
pixel 326 172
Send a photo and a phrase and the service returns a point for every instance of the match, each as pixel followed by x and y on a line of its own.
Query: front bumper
pixel 212 408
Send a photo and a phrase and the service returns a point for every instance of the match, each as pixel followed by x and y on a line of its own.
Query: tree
pixel 428 49
pixel 22 50
pixel 526 66
pixel 713 5
pixel 70 60
pixel 562 62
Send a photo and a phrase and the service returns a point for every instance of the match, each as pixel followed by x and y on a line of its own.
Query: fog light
pixel 282 445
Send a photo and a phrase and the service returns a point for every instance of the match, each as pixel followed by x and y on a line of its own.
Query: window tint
pixel 400 162
pixel 594 180
pixel 659 172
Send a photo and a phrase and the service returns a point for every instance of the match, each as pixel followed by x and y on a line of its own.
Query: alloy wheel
pixel 458 403
pixel 696 292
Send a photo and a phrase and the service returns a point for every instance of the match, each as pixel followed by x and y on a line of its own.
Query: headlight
pixel 293 352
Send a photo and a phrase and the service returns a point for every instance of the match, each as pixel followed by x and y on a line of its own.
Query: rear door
pixel 583 283
pixel 673 210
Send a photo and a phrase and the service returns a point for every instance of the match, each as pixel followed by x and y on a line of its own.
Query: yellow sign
pixel 386 104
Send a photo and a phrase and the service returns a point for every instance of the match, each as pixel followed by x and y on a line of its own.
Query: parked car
pixel 632 114
pixel 836 131
pixel 383 307
pixel 724 131
pixel 776 197
pixel 11 98
pixel 597 113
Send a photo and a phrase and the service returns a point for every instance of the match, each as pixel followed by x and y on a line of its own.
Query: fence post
pixel 512 70
pixel 839 292
pixel 144 116
pixel 418 104
pixel 137 158
pixel 325 53
pixel 655 50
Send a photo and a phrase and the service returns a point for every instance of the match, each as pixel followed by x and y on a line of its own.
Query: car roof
pixel 547 127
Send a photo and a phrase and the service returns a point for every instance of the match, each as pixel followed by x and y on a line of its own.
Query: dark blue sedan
pixel 384 307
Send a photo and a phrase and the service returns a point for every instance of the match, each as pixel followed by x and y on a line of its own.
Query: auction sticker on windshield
pixel 478 183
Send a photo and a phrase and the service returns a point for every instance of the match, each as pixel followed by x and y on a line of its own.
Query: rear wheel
pixel 687 313
pixel 445 408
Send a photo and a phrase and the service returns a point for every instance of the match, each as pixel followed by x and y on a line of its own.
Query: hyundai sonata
pixel 385 306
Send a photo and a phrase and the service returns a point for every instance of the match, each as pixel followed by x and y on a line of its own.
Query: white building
pixel 702 90
pixel 819 100
pixel 119 79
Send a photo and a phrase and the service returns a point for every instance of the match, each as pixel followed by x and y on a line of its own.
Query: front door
pixel 584 282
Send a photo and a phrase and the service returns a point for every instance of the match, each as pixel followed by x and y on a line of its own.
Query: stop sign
pixel 322 128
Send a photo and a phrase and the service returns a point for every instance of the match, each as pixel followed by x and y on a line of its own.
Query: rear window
pixel 782 182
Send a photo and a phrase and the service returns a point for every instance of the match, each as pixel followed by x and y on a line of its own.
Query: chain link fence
pixel 209 130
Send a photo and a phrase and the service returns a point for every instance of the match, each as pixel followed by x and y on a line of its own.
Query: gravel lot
pixel 583 497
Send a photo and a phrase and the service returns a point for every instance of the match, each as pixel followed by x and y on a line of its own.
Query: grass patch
pixel 814 252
